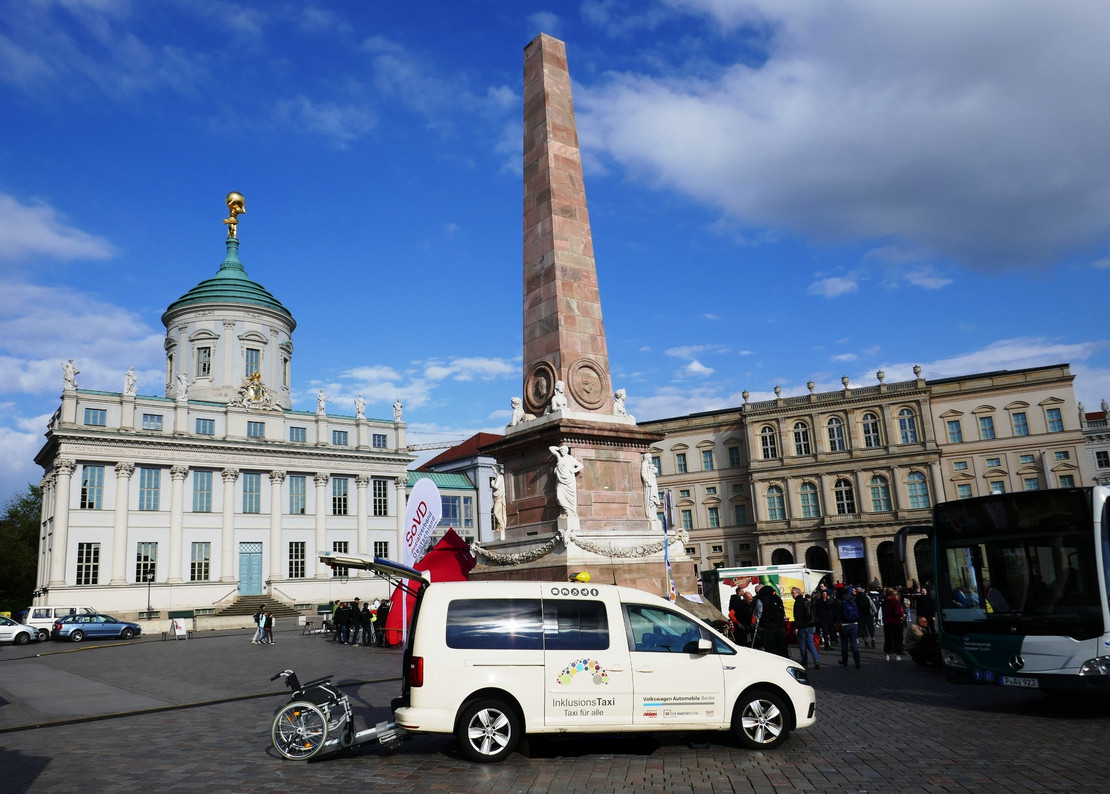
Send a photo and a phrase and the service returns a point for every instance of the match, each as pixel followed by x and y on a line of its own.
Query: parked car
pixel 80 627
pixel 13 631
pixel 44 617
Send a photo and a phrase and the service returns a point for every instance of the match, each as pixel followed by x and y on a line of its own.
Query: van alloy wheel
pixel 488 730
pixel 761 720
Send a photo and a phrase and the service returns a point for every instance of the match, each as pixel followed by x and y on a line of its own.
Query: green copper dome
pixel 230 285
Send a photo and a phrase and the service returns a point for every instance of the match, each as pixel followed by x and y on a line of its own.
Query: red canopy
pixel 450 560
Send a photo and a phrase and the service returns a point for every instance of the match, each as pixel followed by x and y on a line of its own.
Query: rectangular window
pixel 963 491
pixel 955 432
pixel 717 549
pixel 204 370
pixel 714 517
pixel 256 429
pixel 959 465
pixel 92 488
pixel 298 435
pixel 253 362
pixel 1061 456
pixel 206 427
pixel 340 547
pixel 88 563
pixel 734 457
pixel 381 549
pixel 252 492
pixel 200 564
pixel 202 492
pixel 495 624
pixel 1026 458
pixel 680 463
pixel 378 440
pixel 458 511
pixel 1021 424
pixel 994 462
pixel 687 519
pixel 380 496
pixel 741 514
pixel 657 462
pixel 1032 484
pixel 296 559
pixel 1055 421
pixel 707 460
pixel 152 422
pixel 575 626
pixel 1067 480
pixel 296 494
pixel 986 428
pixel 1102 459
pixel 998 487
pixel 96 417
pixel 339 438
pixel 146 562
pixel 339 496
pixel 148 488
pixel 711 490
pixel 809 504
pixel 683 493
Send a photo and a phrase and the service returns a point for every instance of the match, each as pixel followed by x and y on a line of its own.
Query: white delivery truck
pixel 783 577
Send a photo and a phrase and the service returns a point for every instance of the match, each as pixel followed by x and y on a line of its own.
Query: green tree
pixel 19 549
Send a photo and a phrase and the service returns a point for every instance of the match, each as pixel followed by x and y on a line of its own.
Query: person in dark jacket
pixel 353 623
pixel 740 613
pixel 379 624
pixel 847 615
pixel 927 608
pixel 805 618
pixel 826 618
pixel 366 624
pixel 342 621
pixel 867 615
pixel 770 620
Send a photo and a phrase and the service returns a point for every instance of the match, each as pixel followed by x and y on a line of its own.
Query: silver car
pixel 11 631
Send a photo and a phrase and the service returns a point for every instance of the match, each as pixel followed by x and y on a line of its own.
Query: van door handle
pixel 645 669
pixel 615 669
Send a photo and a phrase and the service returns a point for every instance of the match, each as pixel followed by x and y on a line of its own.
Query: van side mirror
pixel 701 645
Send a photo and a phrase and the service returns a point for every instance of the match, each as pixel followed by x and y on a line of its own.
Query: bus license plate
pixel 1013 680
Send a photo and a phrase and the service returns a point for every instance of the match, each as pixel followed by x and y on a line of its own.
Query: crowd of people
pixel 359 622
pixel 840 618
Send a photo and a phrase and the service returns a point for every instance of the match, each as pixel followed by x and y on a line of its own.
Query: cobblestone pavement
pixel 888 727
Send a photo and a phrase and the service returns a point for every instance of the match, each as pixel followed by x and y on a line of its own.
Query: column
pixel 177 508
pixel 227 530
pixel 127 412
pixel 42 574
pixel 402 485
pixel 230 348
pixel 63 471
pixel 322 571
pixel 277 477
pixel 124 470
pixel 362 482
pixel 871 556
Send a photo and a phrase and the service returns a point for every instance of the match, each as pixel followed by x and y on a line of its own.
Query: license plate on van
pixel 1014 680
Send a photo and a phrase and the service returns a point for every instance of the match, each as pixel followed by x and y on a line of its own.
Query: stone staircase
pixel 248 605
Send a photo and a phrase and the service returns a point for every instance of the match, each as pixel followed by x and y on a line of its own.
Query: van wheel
pixel 760 722
pixel 488 730
pixel 44 635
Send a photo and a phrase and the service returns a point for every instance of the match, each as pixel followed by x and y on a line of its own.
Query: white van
pixel 492 661
pixel 42 618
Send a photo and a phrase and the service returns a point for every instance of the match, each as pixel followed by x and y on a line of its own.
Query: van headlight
pixel 798 674
pixel 1097 666
pixel 953 660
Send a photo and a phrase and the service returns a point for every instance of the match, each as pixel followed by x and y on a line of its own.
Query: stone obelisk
pixel 577 497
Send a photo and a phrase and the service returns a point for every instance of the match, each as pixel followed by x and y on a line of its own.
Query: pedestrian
pixel 342 621
pixel 848 617
pixel 770 619
pixel 257 638
pixel 826 618
pixel 894 615
pixel 805 619
pixel 379 623
pixel 740 613
pixel 867 617
pixel 335 624
pixel 353 624
pixel 268 628
pixel 366 624
pixel 927 607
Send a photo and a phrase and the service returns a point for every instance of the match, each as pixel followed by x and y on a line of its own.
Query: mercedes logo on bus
pixel 1016 662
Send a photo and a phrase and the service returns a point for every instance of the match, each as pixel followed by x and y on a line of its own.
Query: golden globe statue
pixel 236 206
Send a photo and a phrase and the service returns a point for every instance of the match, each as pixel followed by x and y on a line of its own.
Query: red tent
pixel 450 560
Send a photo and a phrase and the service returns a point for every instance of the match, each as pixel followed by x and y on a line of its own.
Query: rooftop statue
pixel 236 206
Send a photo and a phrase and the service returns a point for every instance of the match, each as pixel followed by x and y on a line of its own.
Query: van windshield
pixel 658 630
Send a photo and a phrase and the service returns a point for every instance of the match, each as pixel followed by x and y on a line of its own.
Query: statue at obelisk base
pixel 589 510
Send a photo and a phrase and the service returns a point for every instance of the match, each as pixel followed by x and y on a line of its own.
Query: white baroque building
pixel 215 489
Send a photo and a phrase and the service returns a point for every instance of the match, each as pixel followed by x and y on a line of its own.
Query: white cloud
pixel 697 370
pixel 40 230
pixel 464 369
pixel 833 287
pixel 339 124
pixel 844 357
pixel 955 129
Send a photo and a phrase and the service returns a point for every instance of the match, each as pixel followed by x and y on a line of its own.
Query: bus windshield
pixel 1019 563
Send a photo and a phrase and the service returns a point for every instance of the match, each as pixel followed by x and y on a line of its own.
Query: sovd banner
pixel 422 515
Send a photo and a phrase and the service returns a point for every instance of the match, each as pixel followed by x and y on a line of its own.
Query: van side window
pixel 575 626
pixel 495 624
pixel 654 630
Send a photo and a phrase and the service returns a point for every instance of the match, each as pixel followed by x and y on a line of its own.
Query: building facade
pixel 1096 434
pixel 217 488
pixel 827 479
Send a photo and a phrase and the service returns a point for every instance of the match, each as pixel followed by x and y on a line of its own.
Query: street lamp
pixel 149 581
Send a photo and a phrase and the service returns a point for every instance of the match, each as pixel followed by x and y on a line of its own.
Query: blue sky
pixel 778 192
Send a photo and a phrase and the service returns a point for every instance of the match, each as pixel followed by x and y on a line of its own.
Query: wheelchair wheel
pixel 299 731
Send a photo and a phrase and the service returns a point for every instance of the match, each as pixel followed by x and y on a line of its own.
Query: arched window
pixel 768 444
pixel 801 438
pixel 907 426
pixel 880 495
pixel 845 498
pixel 836 435
pixel 782 557
pixel 872 439
pixel 918 490
pixel 808 496
pixel 776 507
